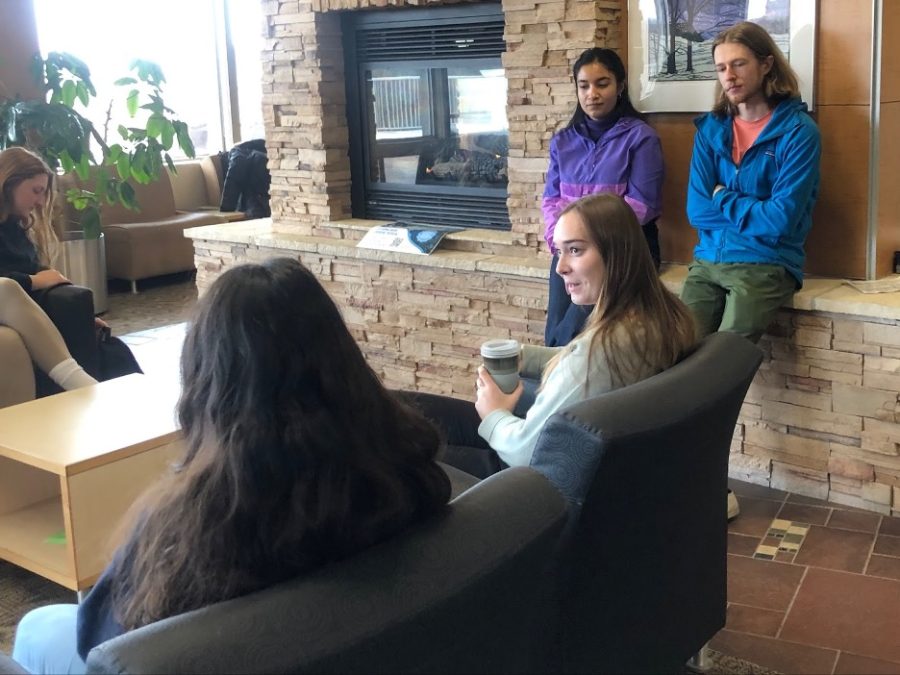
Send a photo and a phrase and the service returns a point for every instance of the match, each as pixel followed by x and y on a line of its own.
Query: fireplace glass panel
pixel 437 126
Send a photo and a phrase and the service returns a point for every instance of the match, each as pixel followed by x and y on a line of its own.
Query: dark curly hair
pixel 296 454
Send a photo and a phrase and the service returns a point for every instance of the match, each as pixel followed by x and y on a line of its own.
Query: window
pixel 185 38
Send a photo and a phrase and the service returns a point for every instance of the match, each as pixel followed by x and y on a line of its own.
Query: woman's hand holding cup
pixel 501 360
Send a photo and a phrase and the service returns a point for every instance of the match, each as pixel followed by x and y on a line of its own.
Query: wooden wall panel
pixel 890 51
pixel 888 237
pixel 677 237
pixel 18 42
pixel 844 52
pixel 836 245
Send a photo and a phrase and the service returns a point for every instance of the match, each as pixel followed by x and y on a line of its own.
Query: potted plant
pixel 71 143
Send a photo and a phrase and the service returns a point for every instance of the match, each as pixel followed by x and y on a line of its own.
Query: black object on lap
pixel 116 359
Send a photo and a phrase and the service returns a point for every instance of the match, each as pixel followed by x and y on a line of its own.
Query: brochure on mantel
pixel 406 237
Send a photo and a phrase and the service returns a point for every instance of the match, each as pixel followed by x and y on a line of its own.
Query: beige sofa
pixel 151 242
pixel 17 383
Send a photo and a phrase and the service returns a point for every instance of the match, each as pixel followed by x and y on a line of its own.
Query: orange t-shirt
pixel 745 133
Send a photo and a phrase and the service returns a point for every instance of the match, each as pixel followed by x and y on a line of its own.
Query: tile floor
pixel 813 587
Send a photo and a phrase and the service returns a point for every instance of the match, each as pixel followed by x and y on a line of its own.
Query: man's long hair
pixel 296 454
pixel 780 82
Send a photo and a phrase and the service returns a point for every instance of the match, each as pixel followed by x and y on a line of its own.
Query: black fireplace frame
pixel 482 25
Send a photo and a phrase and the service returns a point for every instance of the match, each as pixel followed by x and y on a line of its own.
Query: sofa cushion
pixel 140 250
pixel 155 201
pixel 189 187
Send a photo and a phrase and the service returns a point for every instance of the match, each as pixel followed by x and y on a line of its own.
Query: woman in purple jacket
pixel 606 147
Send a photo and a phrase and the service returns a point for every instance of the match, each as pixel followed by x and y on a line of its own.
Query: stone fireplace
pixel 822 417
pixel 419 319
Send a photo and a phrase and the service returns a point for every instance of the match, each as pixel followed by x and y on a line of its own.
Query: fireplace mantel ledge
pixel 260 233
pixel 818 295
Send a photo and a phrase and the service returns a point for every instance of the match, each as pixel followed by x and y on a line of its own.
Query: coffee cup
pixel 501 359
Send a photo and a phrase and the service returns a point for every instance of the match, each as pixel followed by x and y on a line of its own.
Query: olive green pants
pixel 736 297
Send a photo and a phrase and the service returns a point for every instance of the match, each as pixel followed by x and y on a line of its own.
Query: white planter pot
pixel 83 262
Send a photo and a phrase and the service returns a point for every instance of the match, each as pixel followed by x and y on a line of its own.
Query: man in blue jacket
pixel 753 182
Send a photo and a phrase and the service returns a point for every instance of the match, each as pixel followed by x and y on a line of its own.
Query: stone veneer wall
pixel 420 326
pixel 821 417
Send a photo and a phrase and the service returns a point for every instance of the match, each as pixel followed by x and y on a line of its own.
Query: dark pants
pixel 564 319
pixel 71 309
pixel 458 422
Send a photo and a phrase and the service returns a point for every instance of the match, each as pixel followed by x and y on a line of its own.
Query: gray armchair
pixel 644 470
pixel 466 593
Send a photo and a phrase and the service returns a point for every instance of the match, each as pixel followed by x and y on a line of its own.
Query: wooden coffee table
pixel 72 464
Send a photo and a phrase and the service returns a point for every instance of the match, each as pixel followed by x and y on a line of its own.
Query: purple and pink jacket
pixel 627 161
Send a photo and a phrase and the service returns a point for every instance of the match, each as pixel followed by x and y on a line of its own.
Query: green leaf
pixel 65 159
pixel 127 196
pixel 155 125
pixel 170 163
pixel 122 81
pixel 81 91
pixel 83 168
pixel 123 132
pixel 69 91
pixel 132 102
pixel 90 222
pixel 123 165
pixel 184 138
pixel 168 135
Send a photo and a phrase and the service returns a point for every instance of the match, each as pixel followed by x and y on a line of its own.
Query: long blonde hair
pixel 635 313
pixel 780 82
pixel 17 165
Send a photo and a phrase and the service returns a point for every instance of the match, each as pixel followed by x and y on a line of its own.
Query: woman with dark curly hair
pixel 296 456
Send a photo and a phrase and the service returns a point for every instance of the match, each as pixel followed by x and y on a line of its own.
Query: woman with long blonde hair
pixel 27 246
pixel 636 329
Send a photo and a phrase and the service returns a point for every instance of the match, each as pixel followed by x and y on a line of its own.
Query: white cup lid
pixel 500 349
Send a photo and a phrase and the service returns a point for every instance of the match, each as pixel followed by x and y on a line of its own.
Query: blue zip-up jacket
pixel 765 211
pixel 626 161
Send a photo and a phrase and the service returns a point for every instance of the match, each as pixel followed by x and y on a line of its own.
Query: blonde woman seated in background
pixel 295 456
pixel 26 202
pixel 636 329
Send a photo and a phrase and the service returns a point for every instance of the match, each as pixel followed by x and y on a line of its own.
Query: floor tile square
pixel 883 566
pixel 853 520
pixel 740 544
pixel 764 552
pixel 835 549
pixel 744 619
pixel 744 489
pixel 762 583
pixel 851 664
pixel 801 513
pixel 807 501
pixel 784 657
pixel 851 612
pixel 756 516
pixel 887 544
pixel 890 525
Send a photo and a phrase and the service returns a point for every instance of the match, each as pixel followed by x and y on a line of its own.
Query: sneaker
pixel 733 508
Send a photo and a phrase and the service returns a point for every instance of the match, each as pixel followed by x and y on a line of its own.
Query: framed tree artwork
pixel 670 66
